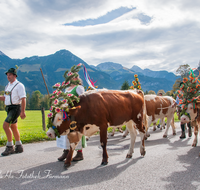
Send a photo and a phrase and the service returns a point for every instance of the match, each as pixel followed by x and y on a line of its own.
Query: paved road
pixel 168 164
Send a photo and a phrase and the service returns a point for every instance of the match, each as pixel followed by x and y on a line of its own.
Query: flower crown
pixel 59 100
pixel 188 91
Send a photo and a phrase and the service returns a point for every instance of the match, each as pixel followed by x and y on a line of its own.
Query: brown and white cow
pixel 194 118
pixel 159 107
pixel 99 109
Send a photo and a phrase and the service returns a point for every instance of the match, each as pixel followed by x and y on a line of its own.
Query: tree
pixel 161 91
pixel 183 71
pixel 176 85
pixel 2 106
pixel 28 101
pixel 125 85
pixel 169 93
pixel 45 102
pixel 35 100
pixel 151 92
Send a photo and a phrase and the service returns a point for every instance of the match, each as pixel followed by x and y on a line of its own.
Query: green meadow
pixel 31 127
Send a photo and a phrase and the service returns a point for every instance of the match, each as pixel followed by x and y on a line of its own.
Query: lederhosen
pixel 13 110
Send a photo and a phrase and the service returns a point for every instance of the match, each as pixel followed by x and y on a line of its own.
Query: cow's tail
pixel 145 116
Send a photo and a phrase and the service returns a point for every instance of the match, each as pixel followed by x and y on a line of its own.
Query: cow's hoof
pixel 143 153
pixel 147 135
pixel 194 145
pixel 164 136
pixel 104 163
pixel 124 136
pixel 174 133
pixel 67 165
pixel 128 156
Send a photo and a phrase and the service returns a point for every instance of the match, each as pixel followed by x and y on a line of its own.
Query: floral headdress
pixel 188 91
pixel 136 83
pixel 59 100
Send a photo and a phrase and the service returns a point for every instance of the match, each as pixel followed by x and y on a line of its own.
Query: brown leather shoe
pixel 64 155
pixel 78 157
pixel 19 148
pixel 182 135
pixel 9 150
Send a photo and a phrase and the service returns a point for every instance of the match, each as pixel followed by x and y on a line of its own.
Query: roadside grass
pixel 30 128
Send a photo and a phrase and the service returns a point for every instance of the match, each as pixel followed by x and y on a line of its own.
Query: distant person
pixel 177 103
pixel 15 101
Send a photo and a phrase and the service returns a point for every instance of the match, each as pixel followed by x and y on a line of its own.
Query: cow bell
pixel 73 125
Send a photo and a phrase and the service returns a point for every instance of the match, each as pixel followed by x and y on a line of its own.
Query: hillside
pixel 108 75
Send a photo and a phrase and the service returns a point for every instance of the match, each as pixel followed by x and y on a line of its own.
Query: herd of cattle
pixel 99 109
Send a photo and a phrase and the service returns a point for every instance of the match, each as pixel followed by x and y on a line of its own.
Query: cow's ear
pixel 72 111
pixel 198 104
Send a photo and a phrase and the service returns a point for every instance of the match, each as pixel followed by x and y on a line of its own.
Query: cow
pixel 159 107
pixel 193 116
pixel 99 109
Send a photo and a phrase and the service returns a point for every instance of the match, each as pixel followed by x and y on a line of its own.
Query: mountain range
pixel 106 75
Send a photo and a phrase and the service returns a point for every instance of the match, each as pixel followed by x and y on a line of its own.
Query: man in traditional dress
pixel 15 101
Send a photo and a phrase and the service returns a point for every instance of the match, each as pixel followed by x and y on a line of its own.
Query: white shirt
pixel 17 93
pixel 79 90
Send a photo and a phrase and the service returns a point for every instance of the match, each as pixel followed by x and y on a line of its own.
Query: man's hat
pixel 12 70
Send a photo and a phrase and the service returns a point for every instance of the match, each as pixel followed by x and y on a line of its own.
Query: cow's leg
pixel 154 126
pixel 69 158
pixel 195 136
pixel 173 126
pixel 133 134
pixel 149 120
pixel 113 131
pixel 142 147
pixel 169 118
pixel 126 132
pixel 103 140
pixel 162 124
pixel 120 129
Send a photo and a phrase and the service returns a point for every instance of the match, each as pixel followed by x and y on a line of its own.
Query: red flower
pixel 79 64
pixel 69 95
pixel 51 108
pixel 64 101
pixel 55 101
pixel 57 85
pixel 49 115
pixel 57 110
pixel 59 92
pixel 69 74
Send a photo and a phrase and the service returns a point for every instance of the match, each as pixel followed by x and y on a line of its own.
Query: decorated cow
pixel 96 110
pixel 192 114
pixel 190 102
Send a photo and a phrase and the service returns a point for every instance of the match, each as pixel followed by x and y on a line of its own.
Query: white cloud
pixel 167 38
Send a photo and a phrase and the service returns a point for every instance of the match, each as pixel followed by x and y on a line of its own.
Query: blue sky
pixel 156 34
